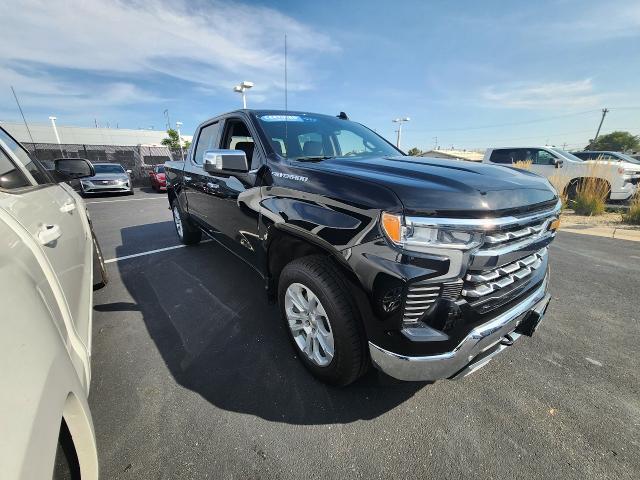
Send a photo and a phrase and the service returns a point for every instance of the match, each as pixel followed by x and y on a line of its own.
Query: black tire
pixel 130 192
pixel 350 359
pixel 190 234
pixel 100 277
pixel 66 466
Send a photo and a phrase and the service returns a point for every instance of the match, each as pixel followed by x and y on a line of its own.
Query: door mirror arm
pixel 558 163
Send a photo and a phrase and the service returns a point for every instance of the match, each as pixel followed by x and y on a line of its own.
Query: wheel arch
pixel 80 425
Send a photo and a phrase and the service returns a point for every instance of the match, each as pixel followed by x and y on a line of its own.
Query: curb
pixel 603 231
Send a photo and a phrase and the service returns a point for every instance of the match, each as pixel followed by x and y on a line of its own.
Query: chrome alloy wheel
pixel 177 220
pixel 309 324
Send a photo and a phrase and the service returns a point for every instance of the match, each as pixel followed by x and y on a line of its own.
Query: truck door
pixel 544 162
pixel 52 217
pixel 195 179
pixel 232 206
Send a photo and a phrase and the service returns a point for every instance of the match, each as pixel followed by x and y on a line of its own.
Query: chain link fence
pixel 140 159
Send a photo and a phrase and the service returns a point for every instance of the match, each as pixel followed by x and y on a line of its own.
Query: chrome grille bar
pixel 487 282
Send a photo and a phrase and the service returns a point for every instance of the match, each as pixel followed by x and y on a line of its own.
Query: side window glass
pixel 206 141
pixel 10 176
pixel 502 156
pixel 36 170
pixel 238 137
pixel 544 158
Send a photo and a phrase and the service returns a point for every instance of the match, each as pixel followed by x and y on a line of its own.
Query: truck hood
pixel 437 186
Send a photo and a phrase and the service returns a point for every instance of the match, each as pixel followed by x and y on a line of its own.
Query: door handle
pixel 48 233
pixel 68 206
pixel 187 179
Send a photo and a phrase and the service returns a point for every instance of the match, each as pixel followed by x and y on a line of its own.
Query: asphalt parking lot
pixel 193 376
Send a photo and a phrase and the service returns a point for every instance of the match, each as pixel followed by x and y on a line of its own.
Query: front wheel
pixel 188 233
pixel 323 325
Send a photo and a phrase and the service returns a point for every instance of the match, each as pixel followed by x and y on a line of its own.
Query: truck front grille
pixel 516 234
pixel 421 296
pixel 483 283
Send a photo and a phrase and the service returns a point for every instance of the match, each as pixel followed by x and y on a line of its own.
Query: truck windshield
pixel 566 154
pixel 304 136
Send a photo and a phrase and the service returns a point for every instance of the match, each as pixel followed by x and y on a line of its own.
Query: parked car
pixel 568 170
pixel 50 262
pixel 158 179
pixel 109 178
pixel 426 267
pixel 606 156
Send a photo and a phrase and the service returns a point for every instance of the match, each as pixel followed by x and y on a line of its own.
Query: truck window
pixel 206 141
pixel 237 137
pixel 10 176
pixel 503 156
pixel 36 170
pixel 544 158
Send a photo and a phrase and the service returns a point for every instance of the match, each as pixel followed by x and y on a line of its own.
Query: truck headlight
pixel 417 236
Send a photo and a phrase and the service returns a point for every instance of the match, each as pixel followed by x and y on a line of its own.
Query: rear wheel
pixel 188 233
pixel 323 325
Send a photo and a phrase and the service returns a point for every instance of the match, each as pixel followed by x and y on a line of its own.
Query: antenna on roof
pixel 286 99
pixel 35 149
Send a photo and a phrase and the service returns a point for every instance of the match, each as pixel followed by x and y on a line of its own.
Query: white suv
pixel 566 169
pixel 50 263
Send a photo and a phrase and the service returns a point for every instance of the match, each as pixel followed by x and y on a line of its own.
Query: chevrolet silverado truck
pixel 425 268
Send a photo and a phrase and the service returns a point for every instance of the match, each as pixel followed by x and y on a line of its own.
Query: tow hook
pixel 507 340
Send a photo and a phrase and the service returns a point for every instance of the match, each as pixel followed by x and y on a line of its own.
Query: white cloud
pixel 213 45
pixel 542 95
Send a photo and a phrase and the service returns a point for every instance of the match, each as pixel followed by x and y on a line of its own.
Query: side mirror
pixel 72 168
pixel 129 172
pixel 557 162
pixel 229 160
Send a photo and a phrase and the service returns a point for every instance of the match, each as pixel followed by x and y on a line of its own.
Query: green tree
pixel 617 142
pixel 172 141
pixel 415 152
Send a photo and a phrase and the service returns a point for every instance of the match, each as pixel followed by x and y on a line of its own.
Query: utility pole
pixel 604 114
pixel 400 121
pixel 435 143
pixel 166 116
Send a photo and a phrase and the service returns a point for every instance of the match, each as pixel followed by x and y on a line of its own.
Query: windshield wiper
pixel 317 158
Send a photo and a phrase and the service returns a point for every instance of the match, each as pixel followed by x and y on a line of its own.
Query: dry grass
pixel 632 217
pixel 559 181
pixel 592 192
pixel 523 164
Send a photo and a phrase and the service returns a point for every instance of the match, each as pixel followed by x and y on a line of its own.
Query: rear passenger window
pixel 206 141
pixel 10 176
pixel 503 156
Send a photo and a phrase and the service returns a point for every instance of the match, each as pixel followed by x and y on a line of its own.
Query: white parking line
pixel 148 252
pixel 128 200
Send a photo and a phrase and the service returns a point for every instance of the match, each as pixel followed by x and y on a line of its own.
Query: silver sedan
pixel 109 178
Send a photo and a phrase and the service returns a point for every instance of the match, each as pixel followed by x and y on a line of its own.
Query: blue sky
pixel 473 74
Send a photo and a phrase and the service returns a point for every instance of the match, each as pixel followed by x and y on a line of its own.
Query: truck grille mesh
pixel 420 297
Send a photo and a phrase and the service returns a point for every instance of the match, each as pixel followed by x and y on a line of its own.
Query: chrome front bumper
pixel 473 352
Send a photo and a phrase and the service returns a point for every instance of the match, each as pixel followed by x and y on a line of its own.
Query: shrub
pixel 591 196
pixel 633 215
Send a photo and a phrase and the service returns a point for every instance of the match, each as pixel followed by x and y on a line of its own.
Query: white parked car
pixel 50 263
pixel 567 170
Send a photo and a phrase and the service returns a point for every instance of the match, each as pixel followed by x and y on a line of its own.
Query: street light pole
pixel 55 131
pixel 178 125
pixel 242 88
pixel 400 121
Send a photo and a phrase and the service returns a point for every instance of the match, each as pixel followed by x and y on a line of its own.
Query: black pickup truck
pixel 426 268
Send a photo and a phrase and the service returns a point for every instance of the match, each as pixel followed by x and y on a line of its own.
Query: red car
pixel 158 179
